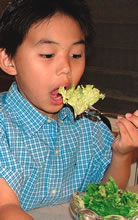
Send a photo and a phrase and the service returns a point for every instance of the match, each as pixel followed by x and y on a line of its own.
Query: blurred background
pixel 113 63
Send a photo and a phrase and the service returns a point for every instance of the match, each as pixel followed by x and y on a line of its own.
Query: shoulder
pixel 4 109
pixel 2 103
pixel 86 122
pixel 95 130
pixel 2 97
pixel 6 97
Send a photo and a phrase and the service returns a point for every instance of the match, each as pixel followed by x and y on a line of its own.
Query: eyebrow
pixel 44 41
pixel 79 42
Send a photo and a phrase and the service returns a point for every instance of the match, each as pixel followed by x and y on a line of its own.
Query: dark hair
pixel 20 15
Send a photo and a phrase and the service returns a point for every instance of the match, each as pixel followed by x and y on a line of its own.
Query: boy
pixel 45 154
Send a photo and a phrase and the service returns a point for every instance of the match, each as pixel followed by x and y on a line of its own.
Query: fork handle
pixel 112 115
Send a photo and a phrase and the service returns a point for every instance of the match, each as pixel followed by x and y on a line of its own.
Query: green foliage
pixel 107 199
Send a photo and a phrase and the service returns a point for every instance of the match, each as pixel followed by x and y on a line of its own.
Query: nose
pixel 64 66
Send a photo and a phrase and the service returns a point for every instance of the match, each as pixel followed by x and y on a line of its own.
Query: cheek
pixel 77 75
pixel 81 69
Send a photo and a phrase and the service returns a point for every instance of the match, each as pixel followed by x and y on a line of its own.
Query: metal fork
pixel 95 114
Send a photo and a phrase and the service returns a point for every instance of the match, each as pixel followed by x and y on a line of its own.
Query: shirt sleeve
pixel 10 170
pixel 102 140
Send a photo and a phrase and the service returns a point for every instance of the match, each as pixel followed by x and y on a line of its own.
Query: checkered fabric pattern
pixel 45 161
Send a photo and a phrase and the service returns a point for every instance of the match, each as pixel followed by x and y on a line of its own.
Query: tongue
pixel 55 93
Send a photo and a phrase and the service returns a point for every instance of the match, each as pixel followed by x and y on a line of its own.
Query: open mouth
pixel 55 94
pixel 56 97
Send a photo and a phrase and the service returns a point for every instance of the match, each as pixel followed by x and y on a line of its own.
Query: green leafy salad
pixel 80 98
pixel 107 199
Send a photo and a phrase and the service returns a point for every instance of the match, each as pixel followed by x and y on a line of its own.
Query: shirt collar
pixel 25 115
pixel 66 113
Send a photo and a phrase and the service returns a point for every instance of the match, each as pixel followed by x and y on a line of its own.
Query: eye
pixel 47 56
pixel 76 56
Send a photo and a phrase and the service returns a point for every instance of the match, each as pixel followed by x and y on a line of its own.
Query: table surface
pixel 60 212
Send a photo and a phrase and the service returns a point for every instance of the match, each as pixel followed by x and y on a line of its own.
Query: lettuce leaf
pixel 80 98
pixel 107 199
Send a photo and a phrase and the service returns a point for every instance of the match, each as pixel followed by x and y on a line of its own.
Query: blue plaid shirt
pixel 45 161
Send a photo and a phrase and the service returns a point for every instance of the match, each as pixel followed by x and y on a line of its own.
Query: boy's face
pixel 51 55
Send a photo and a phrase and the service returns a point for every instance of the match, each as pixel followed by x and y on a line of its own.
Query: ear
pixel 6 63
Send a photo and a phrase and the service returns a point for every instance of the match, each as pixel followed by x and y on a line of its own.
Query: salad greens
pixel 80 98
pixel 107 199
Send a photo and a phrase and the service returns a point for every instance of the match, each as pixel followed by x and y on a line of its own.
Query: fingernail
pixel 119 117
pixel 128 115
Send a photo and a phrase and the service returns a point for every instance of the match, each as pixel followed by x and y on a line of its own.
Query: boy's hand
pixel 127 139
pixel 124 147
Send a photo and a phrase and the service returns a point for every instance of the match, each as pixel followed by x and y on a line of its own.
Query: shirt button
pixel 54 191
pixel 57 152
pixel 48 121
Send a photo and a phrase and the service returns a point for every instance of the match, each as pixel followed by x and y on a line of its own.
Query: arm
pixel 9 204
pixel 124 150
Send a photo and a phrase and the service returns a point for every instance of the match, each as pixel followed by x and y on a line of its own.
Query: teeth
pixel 54 92
pixel 57 98
pixel 55 95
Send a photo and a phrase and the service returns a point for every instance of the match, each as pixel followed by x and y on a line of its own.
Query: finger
pixel 136 113
pixel 128 130
pixel 133 118
pixel 123 130
pixel 122 142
